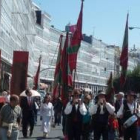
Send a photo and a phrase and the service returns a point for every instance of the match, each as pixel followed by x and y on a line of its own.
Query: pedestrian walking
pixel 10 119
pixel 47 115
pixel 58 111
pixel 28 106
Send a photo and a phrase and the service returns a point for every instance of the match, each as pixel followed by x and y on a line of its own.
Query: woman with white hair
pixel 47 114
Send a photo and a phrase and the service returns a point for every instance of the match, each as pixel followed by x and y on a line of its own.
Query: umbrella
pixel 34 93
pixel 87 90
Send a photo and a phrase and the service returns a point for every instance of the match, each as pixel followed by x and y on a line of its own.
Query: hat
pixel 132 93
pixel 87 90
pixel 101 93
pixel 120 93
pixel 76 92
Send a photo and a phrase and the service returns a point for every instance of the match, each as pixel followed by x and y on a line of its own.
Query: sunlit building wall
pixel 16 32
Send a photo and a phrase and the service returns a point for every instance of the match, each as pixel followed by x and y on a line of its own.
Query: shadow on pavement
pixel 48 138
pixel 42 138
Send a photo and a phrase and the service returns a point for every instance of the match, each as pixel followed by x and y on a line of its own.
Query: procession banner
pixel 124 56
pixel 0 72
pixel 19 72
pixel 75 41
pixel 57 73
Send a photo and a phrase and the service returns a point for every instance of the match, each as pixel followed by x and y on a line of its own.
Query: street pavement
pixel 55 134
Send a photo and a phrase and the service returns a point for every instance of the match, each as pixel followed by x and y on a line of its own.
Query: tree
pixel 132 81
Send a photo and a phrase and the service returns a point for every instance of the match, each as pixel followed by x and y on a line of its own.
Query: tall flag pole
pixel 124 56
pixel 36 78
pixel 57 74
pixel 110 90
pixel 64 68
pixel 75 41
pixel 66 73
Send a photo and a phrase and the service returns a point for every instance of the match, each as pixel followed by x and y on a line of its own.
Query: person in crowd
pixel 28 113
pixel 75 109
pixel 37 106
pixel 127 110
pixel 3 98
pixel 64 116
pixel 7 100
pixel 118 102
pixel 113 132
pixel 10 119
pixel 47 114
pixel 58 111
pixel 4 93
pixel 86 126
pixel 101 111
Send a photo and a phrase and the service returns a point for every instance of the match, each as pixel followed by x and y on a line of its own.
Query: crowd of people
pixel 84 117
pixel 20 113
pixel 93 118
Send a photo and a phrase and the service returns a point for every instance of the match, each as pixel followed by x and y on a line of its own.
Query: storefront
pixel 5 75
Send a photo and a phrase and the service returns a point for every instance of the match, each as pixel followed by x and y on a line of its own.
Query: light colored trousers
pixel 3 134
pixel 46 124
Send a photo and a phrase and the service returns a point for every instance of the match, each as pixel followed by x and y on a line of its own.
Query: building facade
pixel 17 21
pixel 24 27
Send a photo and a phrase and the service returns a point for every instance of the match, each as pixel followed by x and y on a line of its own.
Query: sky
pixel 104 19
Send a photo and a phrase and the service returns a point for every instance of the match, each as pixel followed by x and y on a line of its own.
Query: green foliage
pixel 132 81
pixel 136 72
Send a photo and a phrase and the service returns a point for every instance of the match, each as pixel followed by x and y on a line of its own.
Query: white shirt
pixel 93 108
pixel 46 109
pixel 29 98
pixel 69 106
pixel 7 98
pixel 131 107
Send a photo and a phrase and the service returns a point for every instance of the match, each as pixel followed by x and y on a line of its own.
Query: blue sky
pixel 105 19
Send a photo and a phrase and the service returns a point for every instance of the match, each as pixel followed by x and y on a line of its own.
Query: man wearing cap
pixel 100 112
pixel 119 101
pixel 75 109
pixel 127 110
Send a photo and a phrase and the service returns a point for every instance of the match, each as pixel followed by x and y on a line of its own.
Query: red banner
pixel 0 71
pixel 19 72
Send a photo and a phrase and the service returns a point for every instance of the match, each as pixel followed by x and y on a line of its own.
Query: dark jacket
pixel 27 110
